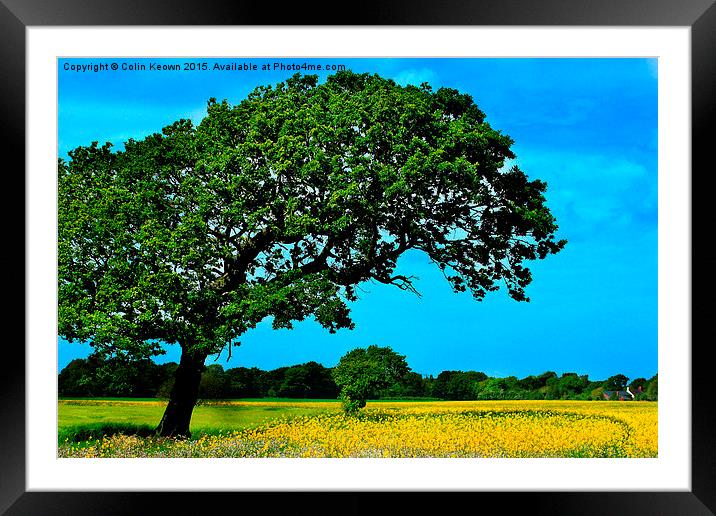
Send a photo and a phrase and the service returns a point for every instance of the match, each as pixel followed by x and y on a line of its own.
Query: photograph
pixel 359 257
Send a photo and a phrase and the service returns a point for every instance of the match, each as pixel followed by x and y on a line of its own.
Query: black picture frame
pixel 699 15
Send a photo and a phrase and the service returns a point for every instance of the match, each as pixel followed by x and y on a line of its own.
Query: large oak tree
pixel 278 207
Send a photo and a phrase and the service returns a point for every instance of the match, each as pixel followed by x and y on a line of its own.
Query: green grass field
pixel 83 419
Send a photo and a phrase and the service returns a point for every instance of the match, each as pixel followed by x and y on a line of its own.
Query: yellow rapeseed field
pixel 420 429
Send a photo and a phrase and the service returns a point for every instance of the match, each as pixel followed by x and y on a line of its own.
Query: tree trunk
pixel 184 393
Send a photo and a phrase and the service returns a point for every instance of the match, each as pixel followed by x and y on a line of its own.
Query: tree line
pixel 98 377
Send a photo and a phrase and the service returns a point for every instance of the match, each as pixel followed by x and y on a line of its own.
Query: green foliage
pixel 652 388
pixel 77 379
pixel 362 372
pixel 278 206
pixel 114 376
pixel 97 377
pixel 568 386
pixel 213 383
pixel 411 386
pixel 82 378
pixel 597 394
pixel 638 383
pixel 616 383
pixel 492 389
pixel 245 382
pixel 167 373
pixel 457 385
pixel 309 380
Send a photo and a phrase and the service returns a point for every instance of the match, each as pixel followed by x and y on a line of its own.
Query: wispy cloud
pixel 591 193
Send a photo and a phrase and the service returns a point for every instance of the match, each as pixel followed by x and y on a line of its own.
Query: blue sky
pixel 588 127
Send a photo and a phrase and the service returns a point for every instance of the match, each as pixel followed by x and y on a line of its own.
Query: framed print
pixel 334 123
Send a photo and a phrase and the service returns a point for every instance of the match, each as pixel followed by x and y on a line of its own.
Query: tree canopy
pixel 362 372
pixel 617 382
pixel 279 206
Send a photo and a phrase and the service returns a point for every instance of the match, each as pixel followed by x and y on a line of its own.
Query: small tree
pixel 363 371
pixel 638 384
pixel 652 388
pixel 616 383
